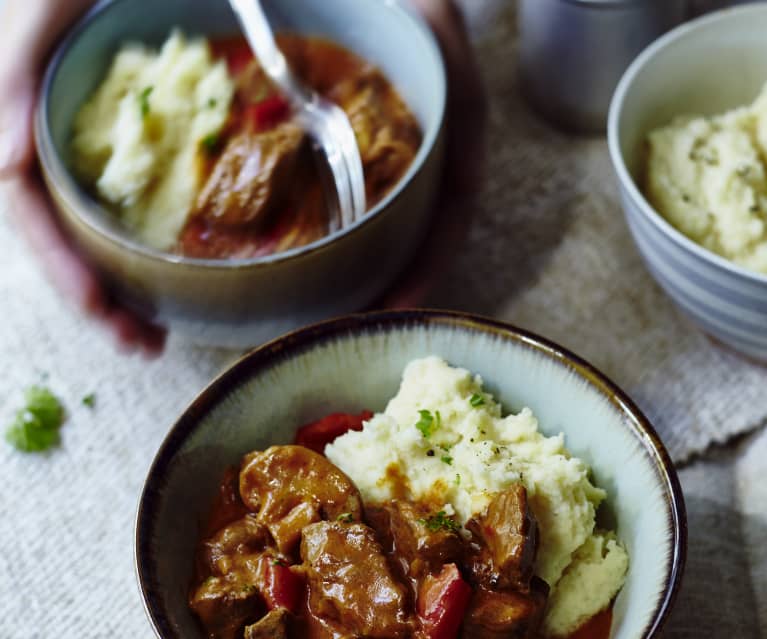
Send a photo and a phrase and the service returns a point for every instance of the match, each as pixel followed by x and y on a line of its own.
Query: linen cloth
pixel 549 251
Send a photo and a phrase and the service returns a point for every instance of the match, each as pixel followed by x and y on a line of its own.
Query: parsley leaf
pixel 44 405
pixel 457 479
pixel 35 427
pixel 476 400
pixel 347 518
pixel 440 521
pixel 143 101
pixel 212 102
pixel 89 400
pixel 428 422
pixel 447 459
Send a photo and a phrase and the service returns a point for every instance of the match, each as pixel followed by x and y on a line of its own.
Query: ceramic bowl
pixel 354 363
pixel 708 66
pixel 243 302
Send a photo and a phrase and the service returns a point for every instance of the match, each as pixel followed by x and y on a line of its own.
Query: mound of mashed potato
pixel 447 441
pixel 707 176
pixel 137 139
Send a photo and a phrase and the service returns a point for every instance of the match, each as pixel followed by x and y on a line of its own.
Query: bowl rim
pixel 614 138
pixel 88 211
pixel 350 326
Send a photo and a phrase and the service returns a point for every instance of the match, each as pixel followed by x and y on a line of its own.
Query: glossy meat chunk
pixel 225 604
pixel 255 174
pixel 386 132
pixel 506 614
pixel 242 537
pixel 507 534
pixel 289 487
pixel 274 625
pixel 402 525
pixel 350 583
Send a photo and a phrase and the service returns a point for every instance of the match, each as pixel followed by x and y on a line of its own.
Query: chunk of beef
pixel 254 174
pixel 402 526
pixel 226 604
pixel 387 133
pixel 350 583
pixel 289 487
pixel 507 535
pixel 243 537
pixel 274 625
pixel 507 614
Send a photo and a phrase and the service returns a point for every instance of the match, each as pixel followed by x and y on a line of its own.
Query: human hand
pixel 465 122
pixel 23 49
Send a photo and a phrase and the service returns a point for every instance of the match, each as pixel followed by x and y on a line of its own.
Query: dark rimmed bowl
pixel 241 303
pixel 356 362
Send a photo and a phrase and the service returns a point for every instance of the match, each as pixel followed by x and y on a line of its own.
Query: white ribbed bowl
pixel 707 66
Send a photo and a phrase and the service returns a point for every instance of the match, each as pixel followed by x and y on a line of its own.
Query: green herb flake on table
pixel 35 427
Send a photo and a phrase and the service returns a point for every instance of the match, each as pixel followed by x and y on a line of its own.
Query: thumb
pixel 17 99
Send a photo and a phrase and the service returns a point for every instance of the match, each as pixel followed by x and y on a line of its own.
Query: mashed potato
pixel 137 139
pixel 471 452
pixel 707 177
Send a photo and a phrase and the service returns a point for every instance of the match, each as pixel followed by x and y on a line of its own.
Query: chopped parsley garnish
pixel 277 562
pixel 476 400
pixel 347 518
pixel 428 422
pixel 89 400
pixel 447 459
pixel 210 143
pixel 143 100
pixel 35 427
pixel 457 479
pixel 440 521
pixel 212 103
pixel 249 589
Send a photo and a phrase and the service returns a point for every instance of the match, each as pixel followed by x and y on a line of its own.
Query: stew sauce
pixel 290 552
pixel 262 191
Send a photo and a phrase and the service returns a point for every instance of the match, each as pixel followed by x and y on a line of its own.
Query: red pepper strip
pixel 442 602
pixel 282 587
pixel 319 434
pixel 268 113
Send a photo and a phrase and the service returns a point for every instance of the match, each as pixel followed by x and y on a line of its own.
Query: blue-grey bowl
pixel 356 363
pixel 242 302
pixel 706 67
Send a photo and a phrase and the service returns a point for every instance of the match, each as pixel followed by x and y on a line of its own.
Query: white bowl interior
pixel 265 398
pixel 706 67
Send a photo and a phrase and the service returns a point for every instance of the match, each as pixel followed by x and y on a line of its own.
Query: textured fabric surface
pixel 549 252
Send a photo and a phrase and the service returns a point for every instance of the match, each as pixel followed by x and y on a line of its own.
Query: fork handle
pixel 258 32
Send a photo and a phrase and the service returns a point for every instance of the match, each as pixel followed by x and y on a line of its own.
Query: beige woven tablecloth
pixel 549 252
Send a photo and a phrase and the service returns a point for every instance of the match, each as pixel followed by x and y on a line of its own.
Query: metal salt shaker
pixel 573 52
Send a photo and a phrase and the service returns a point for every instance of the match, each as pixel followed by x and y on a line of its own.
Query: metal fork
pixel 325 122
